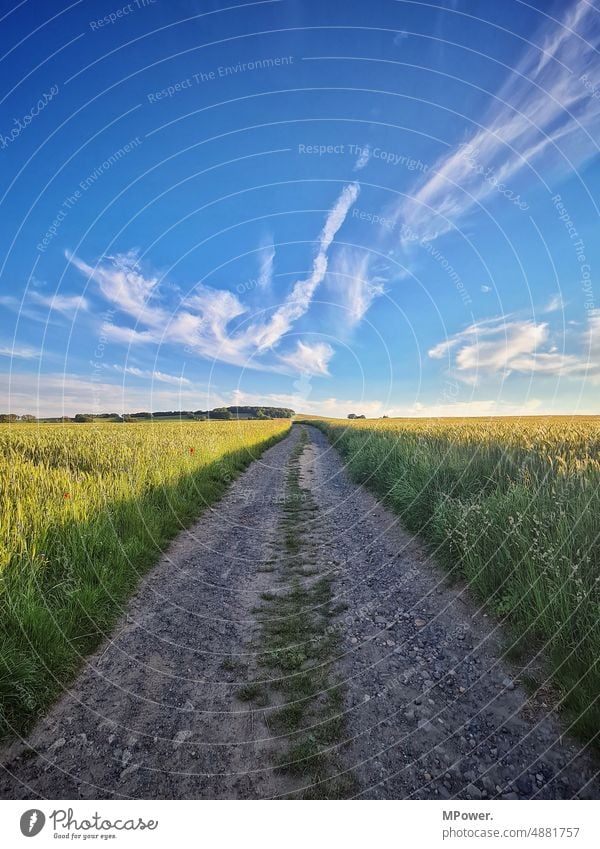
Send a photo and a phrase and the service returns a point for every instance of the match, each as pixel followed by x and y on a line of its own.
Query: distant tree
pixel 361 417
pixel 261 412
pixel 352 416
pixel 221 413
pixel 199 417
pixel 5 418
pixel 28 418
pixel 82 418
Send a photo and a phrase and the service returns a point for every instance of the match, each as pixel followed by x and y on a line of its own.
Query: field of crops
pixel 84 510
pixel 513 505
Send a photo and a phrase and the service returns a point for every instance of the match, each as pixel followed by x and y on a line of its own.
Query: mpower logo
pixel 32 822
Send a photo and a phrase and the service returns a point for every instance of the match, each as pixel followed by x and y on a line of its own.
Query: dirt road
pixel 296 642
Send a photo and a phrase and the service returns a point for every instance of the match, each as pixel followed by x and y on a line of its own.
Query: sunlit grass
pixel 84 510
pixel 514 506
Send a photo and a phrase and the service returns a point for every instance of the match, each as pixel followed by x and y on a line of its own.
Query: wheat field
pixel 84 510
pixel 513 506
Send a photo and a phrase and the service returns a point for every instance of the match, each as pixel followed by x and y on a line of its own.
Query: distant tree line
pixel 192 415
pixel 5 418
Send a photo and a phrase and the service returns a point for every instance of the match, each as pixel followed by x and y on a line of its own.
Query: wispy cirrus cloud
pixel 38 307
pixel 266 263
pixel 543 114
pixel 309 358
pixel 354 284
pixel 363 158
pixel 555 304
pixel 21 352
pixel 121 282
pixel 207 322
pixel 298 301
pixel 68 305
pixel 153 374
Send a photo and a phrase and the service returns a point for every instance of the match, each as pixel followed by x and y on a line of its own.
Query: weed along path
pixel 297 643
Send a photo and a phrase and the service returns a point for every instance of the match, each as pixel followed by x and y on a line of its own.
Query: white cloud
pixel 374 408
pixel 354 286
pixel 122 283
pixel 504 345
pixel 299 300
pixel 66 304
pixel 203 321
pixel 309 358
pixel 363 158
pixel 555 304
pixel 23 352
pixel 543 110
pixel 266 263
pixel 29 306
pixel 159 376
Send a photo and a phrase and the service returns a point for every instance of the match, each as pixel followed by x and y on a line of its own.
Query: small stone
pixel 129 770
pixel 508 683
pixel 420 623
pixel 354 641
pixel 181 737
pixel 473 791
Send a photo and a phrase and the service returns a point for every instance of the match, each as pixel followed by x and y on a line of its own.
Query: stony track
pixel 187 698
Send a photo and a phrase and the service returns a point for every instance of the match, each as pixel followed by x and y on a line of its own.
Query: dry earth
pixel 402 692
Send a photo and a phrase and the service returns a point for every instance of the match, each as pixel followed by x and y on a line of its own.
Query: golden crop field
pixel 513 505
pixel 84 509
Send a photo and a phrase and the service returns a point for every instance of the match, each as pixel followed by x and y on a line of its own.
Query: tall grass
pixel 514 506
pixel 84 510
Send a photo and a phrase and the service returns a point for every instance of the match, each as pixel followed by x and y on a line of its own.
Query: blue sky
pixel 382 208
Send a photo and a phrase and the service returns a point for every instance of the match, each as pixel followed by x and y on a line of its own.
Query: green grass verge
pixel 524 534
pixel 56 608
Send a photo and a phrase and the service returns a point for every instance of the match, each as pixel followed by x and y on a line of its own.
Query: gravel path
pixel 431 708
